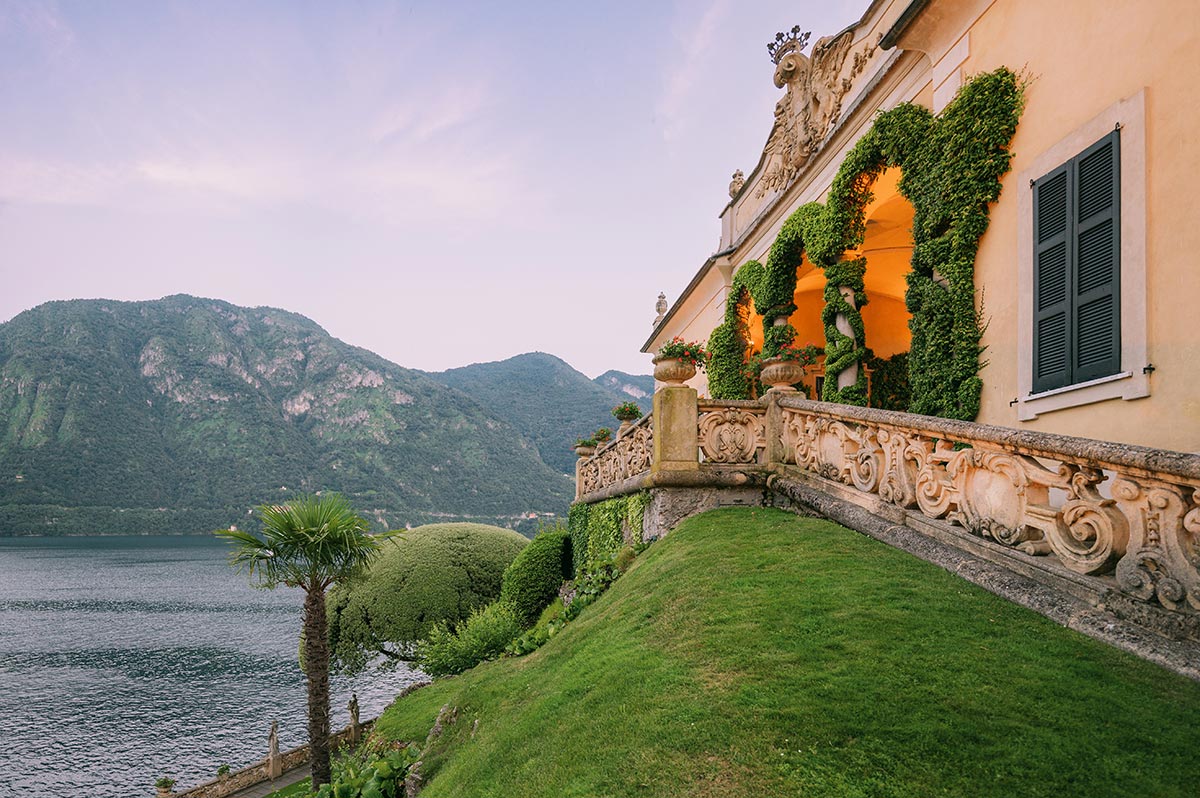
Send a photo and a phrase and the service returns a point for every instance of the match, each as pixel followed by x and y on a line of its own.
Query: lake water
pixel 126 658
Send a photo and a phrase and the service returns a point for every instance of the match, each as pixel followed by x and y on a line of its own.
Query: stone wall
pixel 256 773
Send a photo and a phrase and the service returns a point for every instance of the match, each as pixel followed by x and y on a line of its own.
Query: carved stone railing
pixel 732 432
pixel 1096 507
pixel 629 455
pixel 1127 516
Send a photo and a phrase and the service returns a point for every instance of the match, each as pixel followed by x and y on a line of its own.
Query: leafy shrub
pixel 532 580
pixel 372 771
pixel 483 636
pixel 439 572
pixel 551 620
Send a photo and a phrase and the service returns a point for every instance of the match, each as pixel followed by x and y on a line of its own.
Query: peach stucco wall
pixel 1083 56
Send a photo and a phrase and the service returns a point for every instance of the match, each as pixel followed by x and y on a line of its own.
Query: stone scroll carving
pixel 815 88
pixel 1094 519
pixel 629 455
pixel 731 435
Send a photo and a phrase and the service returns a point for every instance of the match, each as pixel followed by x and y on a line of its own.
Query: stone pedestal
pixel 676 440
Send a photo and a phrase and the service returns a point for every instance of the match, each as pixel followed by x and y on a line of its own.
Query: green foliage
pixel 598 531
pixel 483 636
pixel 951 168
pixel 889 381
pixel 165 782
pixel 310 542
pixel 433 573
pixel 374 770
pixel 752 652
pixel 691 351
pixel 533 578
pixel 181 414
pixel 551 620
pixel 843 351
pixel 627 411
pixel 577 528
pixel 602 435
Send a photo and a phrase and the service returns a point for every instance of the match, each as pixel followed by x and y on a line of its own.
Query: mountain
pixel 546 400
pixel 181 414
pixel 636 387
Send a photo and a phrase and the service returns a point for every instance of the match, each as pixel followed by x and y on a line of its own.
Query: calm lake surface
pixel 126 658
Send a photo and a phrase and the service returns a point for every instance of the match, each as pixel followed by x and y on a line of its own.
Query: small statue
pixel 735 185
pixel 353 707
pixel 274 761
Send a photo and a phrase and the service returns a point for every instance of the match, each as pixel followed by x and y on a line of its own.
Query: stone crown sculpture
pixel 791 42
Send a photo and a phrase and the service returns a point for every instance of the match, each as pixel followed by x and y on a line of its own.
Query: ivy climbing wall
pixel 951 167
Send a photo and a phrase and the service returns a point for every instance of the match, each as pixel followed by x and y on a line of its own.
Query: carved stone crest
pixel 805 115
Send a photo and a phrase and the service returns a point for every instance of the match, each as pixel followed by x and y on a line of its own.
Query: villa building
pixel 1074 314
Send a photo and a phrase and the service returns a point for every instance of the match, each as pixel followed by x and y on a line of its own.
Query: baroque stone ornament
pixel 815 87
pixel 735 185
pixel 731 435
pixel 660 307
pixel 1123 515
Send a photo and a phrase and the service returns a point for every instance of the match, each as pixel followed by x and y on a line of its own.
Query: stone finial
pixel 735 185
pixel 660 307
pixel 274 761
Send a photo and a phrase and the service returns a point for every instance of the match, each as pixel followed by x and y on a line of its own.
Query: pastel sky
pixel 440 182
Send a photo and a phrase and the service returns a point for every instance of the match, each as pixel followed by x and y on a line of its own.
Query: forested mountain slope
pixel 180 414
pixel 547 400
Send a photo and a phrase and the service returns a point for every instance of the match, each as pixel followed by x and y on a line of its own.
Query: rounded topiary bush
pixel 535 575
pixel 431 574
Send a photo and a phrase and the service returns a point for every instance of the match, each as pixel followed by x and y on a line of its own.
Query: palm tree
pixel 311 542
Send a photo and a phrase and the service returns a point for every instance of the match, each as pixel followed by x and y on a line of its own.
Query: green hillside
pixel 180 414
pixel 633 387
pixel 547 400
pixel 755 653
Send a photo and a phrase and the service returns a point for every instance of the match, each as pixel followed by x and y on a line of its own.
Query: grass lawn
pixel 756 653
pixel 297 790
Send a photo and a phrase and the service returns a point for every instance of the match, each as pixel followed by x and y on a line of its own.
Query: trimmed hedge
pixel 437 572
pixel 533 578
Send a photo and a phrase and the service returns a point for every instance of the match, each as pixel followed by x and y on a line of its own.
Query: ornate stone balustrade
pixel 628 456
pixel 1124 517
pixel 1097 507
pixel 732 433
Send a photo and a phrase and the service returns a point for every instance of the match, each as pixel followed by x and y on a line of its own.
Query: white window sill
pixel 1124 385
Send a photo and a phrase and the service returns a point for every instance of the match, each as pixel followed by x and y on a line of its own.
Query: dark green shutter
pixel 1097 278
pixel 1077 269
pixel 1051 272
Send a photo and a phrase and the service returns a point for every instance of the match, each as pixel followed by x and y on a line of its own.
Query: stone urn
pixel 585 451
pixel 781 374
pixel 673 371
pixel 625 427
pixel 163 792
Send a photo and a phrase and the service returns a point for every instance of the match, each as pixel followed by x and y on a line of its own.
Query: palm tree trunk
pixel 316 662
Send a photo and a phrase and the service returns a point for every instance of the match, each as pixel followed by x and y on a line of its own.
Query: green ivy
pixel 598 530
pixel 889 381
pixel 729 343
pixel 951 166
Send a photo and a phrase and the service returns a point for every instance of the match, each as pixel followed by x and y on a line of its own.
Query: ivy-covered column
pixel 845 336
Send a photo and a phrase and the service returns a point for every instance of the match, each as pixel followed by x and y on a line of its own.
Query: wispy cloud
pixel 683 77
pixel 38 22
